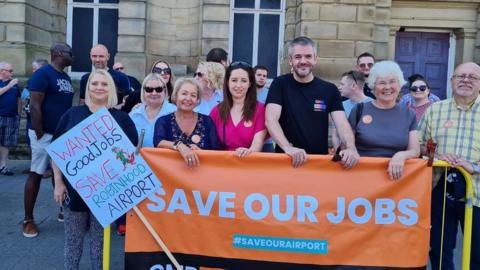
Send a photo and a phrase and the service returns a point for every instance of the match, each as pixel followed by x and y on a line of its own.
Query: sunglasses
pixel 241 64
pixel 366 65
pixel 9 70
pixel 160 70
pixel 156 89
pixel 119 68
pixel 198 74
pixel 421 88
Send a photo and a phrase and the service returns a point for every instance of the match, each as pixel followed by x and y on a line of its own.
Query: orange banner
pixel 260 209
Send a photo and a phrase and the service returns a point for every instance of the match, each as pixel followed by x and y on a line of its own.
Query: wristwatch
pixel 476 168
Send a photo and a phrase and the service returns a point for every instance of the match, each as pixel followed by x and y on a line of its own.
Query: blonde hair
pixel 180 82
pixel 215 74
pixel 153 77
pixel 112 99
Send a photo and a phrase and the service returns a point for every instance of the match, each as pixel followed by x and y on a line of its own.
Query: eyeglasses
pixel 384 83
pixel 421 88
pixel 462 77
pixel 241 64
pixel 160 70
pixel 9 70
pixel 119 68
pixel 156 89
pixel 363 65
pixel 198 74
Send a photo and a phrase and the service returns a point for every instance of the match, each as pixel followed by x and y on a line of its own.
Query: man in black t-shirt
pixel 298 107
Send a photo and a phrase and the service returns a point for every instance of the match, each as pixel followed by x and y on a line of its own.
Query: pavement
pixel 46 250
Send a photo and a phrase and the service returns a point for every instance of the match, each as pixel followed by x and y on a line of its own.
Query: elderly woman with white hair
pixel 154 96
pixel 382 127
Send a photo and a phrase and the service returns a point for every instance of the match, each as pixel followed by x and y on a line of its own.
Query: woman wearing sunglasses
pixel 165 70
pixel 210 76
pixel 154 104
pixel 419 97
pixel 185 130
pixel 240 118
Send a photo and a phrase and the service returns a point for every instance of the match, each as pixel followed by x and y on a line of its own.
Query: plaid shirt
pixel 456 131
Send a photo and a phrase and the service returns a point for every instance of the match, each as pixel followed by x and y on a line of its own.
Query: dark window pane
pixel 245 3
pixel 270 4
pixel 242 37
pixel 268 43
pixel 83 1
pixel 108 31
pixel 82 38
pixel 109 1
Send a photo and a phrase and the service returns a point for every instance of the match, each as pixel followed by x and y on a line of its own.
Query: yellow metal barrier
pixel 467 228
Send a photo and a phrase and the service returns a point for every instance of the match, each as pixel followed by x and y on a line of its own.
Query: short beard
pixel 259 86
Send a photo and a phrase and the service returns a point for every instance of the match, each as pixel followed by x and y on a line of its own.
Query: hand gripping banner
pixel 259 212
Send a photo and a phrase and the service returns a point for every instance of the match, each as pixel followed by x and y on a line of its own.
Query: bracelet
pixel 175 145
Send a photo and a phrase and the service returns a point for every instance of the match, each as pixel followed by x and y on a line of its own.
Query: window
pixel 256 33
pixel 91 22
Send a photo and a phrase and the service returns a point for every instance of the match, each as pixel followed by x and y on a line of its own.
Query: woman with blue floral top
pixel 186 130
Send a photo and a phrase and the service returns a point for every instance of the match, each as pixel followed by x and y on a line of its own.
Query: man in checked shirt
pixel 454 125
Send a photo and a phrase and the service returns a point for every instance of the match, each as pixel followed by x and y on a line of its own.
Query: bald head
pixel 99 56
pixel 118 66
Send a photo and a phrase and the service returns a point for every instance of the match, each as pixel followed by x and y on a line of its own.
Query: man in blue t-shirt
pixel 298 107
pixel 9 114
pixel 51 94
pixel 99 56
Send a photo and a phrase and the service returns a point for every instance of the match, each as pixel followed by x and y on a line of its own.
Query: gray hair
pixel 4 65
pixel 302 41
pixel 385 68
pixel 39 63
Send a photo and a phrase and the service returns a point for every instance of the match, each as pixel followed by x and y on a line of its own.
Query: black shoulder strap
pixel 359 113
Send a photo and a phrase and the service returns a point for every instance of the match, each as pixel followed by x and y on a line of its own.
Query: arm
pixel 272 117
pixel 397 162
pixel 190 157
pixel 36 100
pixel 60 190
pixel 7 87
pixel 349 155
pixel 256 146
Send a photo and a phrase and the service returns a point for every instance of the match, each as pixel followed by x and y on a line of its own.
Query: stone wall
pixel 180 32
pixel 342 29
pixel 27 30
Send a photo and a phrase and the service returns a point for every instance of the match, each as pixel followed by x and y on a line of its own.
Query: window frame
pixel 257 11
pixel 96 6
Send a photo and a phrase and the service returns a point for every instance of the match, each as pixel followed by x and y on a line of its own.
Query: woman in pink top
pixel 240 119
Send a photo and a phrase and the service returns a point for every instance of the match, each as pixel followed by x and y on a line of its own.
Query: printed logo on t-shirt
pixel 64 86
pixel 367 119
pixel 319 106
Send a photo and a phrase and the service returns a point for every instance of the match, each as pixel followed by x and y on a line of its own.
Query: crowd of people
pixel 227 106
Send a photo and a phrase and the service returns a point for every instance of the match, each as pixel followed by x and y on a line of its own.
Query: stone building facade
pixel 183 31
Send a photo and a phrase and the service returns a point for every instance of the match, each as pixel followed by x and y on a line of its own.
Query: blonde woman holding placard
pixel 79 220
